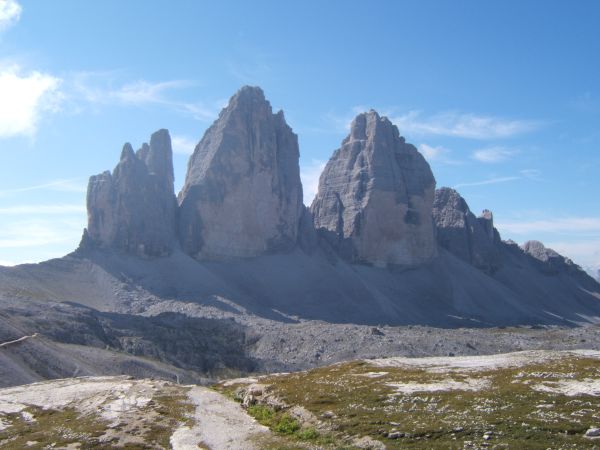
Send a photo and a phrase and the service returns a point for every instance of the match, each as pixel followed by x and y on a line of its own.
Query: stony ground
pixel 109 412
pixel 524 400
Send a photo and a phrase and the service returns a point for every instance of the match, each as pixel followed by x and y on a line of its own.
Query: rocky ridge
pixel 472 239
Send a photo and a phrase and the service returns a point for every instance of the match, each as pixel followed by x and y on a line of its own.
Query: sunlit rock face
pixel 548 260
pixel 375 197
pixel 242 195
pixel 134 208
pixel 473 239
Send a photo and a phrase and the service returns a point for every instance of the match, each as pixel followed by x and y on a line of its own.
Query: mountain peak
pixel 243 183
pixel 375 195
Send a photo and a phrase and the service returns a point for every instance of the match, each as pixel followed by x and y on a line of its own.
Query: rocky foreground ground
pixel 535 399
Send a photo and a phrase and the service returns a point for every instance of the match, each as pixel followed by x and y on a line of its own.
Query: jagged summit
pixel 375 195
pixel 133 209
pixel 240 215
pixel 242 195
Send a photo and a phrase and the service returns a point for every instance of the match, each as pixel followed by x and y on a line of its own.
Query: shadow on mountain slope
pixel 297 286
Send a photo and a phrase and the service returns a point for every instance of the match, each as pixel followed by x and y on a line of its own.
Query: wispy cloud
pixel 570 225
pixel 463 125
pixel 438 154
pixel 107 88
pixel 62 185
pixel 490 155
pixel 250 72
pixel 60 209
pixel 310 174
pixel 525 174
pixel 10 12
pixel 25 97
pixel 493 180
pixel 340 123
pixel 183 145
pixel 532 174
pixel 142 91
pixel 39 233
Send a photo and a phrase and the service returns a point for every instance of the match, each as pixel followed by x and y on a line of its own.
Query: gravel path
pixel 220 424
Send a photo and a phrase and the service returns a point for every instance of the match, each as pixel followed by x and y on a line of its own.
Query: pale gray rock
pixel 375 197
pixel 242 195
pixel 134 208
pixel 593 432
pixel 548 260
pixel 473 239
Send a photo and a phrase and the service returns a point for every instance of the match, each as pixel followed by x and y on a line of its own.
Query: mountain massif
pixel 378 246
pixel 378 227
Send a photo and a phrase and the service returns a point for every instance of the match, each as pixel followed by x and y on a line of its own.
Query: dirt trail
pixel 16 341
pixel 220 423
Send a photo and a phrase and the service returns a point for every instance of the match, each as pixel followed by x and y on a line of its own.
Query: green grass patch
pixel 286 425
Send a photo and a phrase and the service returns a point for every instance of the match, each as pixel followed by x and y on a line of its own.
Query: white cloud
pixel 493 154
pixel 24 99
pixel 570 225
pixel 493 180
pixel 183 145
pixel 40 233
pixel 310 179
pixel 10 12
pixel 42 209
pixel 61 185
pixel 464 125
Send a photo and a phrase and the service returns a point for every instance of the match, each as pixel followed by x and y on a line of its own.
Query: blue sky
pixel 503 99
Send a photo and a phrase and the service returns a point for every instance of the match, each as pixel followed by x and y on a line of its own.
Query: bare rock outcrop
pixel 134 208
pixel 548 260
pixel 375 197
pixel 242 195
pixel 473 239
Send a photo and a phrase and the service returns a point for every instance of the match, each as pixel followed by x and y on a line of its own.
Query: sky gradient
pixel 502 98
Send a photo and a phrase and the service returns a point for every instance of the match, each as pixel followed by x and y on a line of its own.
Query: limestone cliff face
pixel 133 209
pixel 242 195
pixel 473 239
pixel 375 196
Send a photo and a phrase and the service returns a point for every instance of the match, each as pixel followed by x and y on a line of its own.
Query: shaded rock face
pixel 242 195
pixel 375 197
pixel 548 261
pixel 473 239
pixel 134 208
